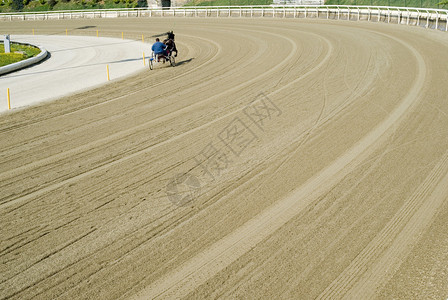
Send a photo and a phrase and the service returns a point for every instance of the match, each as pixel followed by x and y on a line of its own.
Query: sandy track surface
pixel 77 63
pixel 315 153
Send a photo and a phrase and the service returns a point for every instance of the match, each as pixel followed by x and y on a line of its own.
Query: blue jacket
pixel 158 47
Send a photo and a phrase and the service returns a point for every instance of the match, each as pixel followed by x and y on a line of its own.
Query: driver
pixel 159 47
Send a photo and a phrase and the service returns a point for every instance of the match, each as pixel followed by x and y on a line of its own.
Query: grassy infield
pixel 18 53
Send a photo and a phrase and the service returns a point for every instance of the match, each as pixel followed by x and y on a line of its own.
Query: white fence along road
pixel 425 17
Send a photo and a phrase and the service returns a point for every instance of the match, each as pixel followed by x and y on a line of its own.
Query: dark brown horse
pixel 171 46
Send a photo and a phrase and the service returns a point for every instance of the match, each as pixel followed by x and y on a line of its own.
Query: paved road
pixel 76 64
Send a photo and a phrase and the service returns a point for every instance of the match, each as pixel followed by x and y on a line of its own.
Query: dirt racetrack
pixel 314 156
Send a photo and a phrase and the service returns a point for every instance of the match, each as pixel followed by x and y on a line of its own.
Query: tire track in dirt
pixel 31 285
pixel 361 290
pixel 131 110
pixel 354 94
pixel 381 258
pixel 125 133
pixel 200 268
pixel 108 101
pixel 138 238
pixel 77 129
pixel 308 73
pixel 123 111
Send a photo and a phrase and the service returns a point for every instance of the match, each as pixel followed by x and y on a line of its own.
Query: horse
pixel 170 35
pixel 171 46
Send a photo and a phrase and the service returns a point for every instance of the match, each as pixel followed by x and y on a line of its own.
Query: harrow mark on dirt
pixel 332 197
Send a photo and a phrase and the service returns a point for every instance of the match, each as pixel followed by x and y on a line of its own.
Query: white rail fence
pixel 424 17
pixel 298 2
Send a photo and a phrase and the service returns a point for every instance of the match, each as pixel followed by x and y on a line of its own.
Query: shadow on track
pixel 97 46
pixel 76 67
pixel 86 27
pixel 186 61
pixel 159 35
pixel 72 30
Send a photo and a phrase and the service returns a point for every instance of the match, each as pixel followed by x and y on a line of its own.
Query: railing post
pixel 388 15
pixel 446 23
pixel 427 19
pixel 437 20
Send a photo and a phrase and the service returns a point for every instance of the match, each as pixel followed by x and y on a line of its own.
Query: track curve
pixel 76 64
pixel 339 190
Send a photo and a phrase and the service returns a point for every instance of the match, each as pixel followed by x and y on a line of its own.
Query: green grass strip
pixel 18 52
